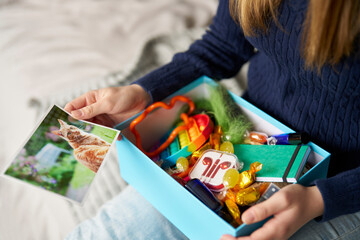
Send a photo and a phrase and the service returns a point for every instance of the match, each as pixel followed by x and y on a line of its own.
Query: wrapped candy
pixel 233 210
pixel 195 156
pixel 255 138
pixel 258 137
pixel 230 195
pixel 246 178
pixel 215 137
pixel 226 194
pixel 247 196
pixel 247 140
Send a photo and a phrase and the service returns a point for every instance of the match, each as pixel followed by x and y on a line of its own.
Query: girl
pixel 304 70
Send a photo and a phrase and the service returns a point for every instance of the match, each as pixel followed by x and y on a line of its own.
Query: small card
pixel 63 154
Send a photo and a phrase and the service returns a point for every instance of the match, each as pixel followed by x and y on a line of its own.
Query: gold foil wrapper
pixel 255 167
pixel 233 210
pixel 247 196
pixel 195 155
pixel 246 178
pixel 230 195
pixel 215 137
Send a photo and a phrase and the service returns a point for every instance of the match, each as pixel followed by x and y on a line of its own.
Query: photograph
pixel 63 155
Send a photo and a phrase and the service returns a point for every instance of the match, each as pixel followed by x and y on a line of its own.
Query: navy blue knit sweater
pixel 325 106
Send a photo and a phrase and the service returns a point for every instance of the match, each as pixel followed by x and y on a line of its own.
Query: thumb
pixel 88 111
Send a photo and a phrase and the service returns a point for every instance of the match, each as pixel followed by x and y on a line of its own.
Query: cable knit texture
pixel 326 105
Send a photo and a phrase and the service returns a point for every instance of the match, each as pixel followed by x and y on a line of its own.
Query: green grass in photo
pixel 82 176
pixel 106 134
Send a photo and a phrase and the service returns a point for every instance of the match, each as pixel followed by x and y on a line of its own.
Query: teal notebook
pixel 281 163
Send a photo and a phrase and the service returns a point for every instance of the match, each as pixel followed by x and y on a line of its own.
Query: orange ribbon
pixel 174 133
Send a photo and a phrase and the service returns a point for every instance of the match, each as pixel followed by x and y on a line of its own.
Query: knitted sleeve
pixel 340 193
pixel 220 53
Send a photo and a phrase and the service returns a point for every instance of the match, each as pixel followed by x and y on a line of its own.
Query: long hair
pixel 330 26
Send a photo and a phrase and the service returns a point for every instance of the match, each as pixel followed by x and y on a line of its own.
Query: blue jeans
pixel 130 216
pixel 343 227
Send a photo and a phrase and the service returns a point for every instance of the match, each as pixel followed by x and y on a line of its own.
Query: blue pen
pixel 288 139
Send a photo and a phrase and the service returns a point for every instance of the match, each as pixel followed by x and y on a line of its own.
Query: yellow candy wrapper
pixel 233 210
pixel 248 177
pixel 230 195
pixel 247 196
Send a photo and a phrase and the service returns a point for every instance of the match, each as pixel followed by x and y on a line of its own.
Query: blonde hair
pixel 330 26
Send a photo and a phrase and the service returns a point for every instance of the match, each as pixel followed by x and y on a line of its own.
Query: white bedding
pixel 52 51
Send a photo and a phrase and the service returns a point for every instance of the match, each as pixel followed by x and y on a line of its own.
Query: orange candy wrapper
pixel 215 137
pixel 258 137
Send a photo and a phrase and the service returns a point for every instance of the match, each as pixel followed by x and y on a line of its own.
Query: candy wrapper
pixel 206 164
pixel 247 178
pixel 247 196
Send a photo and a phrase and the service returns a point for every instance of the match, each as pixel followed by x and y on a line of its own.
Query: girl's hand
pixel 292 207
pixel 109 106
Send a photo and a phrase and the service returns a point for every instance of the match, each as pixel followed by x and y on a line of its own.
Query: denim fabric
pixel 130 216
pixel 127 217
pixel 345 227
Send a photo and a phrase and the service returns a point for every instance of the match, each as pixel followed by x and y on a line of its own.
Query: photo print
pixel 63 154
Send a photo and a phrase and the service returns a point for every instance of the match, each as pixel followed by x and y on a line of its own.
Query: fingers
pixel 80 102
pixel 76 104
pixel 266 209
pixel 89 111
pixel 278 227
pixel 84 107
pixel 281 226
pixel 289 208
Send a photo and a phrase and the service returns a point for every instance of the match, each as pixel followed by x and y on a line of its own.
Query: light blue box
pixel 178 205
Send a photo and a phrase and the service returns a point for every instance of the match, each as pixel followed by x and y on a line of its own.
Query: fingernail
pixel 77 113
pixel 248 218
